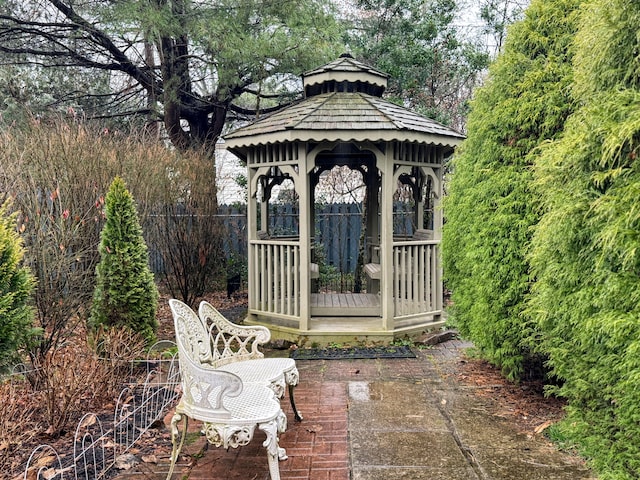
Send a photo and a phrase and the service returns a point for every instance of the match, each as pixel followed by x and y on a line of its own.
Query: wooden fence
pixel 338 229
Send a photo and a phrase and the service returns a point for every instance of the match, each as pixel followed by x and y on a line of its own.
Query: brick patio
pixel 379 419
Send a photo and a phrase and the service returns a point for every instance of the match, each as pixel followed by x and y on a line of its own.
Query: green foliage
pixel 328 273
pixel 490 207
pixel 498 15
pixel 237 266
pixel 586 250
pixel 185 64
pixel 16 285
pixel 258 40
pixel 33 91
pixel 432 69
pixel 125 293
pixel 606 55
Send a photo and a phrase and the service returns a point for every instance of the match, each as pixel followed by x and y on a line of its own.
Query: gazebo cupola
pixel 344 122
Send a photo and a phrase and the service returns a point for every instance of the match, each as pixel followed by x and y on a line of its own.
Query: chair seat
pixel 261 370
pixel 256 404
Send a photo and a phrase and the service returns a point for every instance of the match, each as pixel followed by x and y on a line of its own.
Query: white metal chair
pixel 235 349
pixel 229 409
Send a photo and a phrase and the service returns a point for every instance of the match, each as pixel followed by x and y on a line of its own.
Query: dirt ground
pixel 524 403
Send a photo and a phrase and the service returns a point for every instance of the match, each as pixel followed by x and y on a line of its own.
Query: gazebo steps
pixel 328 330
pixel 345 305
pixel 343 325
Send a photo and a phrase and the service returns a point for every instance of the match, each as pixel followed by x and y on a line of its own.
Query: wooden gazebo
pixel 343 121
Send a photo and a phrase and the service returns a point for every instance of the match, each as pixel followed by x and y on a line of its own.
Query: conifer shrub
pixel 125 294
pixel 490 208
pixel 16 286
pixel 585 252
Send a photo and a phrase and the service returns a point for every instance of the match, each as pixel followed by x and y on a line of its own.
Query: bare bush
pixel 118 348
pixel 78 377
pixel 58 174
pixel 189 232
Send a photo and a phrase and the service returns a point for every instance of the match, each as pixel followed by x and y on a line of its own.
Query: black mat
pixel 333 353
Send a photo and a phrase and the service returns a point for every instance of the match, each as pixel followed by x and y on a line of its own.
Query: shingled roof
pixel 345 68
pixel 347 112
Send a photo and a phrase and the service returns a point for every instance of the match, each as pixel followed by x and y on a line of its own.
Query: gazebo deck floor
pixel 345 304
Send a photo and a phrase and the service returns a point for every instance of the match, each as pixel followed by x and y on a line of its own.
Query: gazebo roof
pixel 345 68
pixel 348 113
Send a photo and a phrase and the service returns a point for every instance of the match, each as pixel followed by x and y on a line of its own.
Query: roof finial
pixel 346 55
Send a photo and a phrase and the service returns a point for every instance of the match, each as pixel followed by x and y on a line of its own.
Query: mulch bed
pixel 524 403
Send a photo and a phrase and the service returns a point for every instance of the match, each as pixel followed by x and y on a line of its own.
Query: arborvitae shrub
pixel 586 249
pixel 490 207
pixel 16 286
pixel 125 294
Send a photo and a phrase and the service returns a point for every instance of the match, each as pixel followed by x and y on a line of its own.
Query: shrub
pixel 58 173
pixel 16 285
pixel 586 249
pixel 18 422
pixel 188 230
pixel 490 206
pixel 125 293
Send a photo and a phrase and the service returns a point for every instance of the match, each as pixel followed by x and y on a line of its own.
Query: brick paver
pixel 317 447
pixel 424 414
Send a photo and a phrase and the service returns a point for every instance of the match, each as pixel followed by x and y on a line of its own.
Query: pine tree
pixel 125 294
pixel 16 286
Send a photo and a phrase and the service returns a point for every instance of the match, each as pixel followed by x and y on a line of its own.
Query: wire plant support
pixel 96 450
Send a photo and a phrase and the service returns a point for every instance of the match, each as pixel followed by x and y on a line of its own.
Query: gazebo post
pixel 252 220
pixel 386 242
pixel 438 220
pixel 372 221
pixel 305 197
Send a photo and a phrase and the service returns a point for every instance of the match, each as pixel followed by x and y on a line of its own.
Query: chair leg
pixel 281 425
pixel 292 377
pixel 274 452
pixel 296 413
pixel 177 445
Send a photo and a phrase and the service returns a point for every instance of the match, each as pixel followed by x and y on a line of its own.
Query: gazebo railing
pixel 416 277
pixel 274 286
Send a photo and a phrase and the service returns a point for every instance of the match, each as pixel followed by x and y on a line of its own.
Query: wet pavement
pixel 374 419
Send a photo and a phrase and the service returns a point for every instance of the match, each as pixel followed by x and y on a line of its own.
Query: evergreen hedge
pixel 490 207
pixel 125 294
pixel 586 249
pixel 16 286
pixel 542 242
